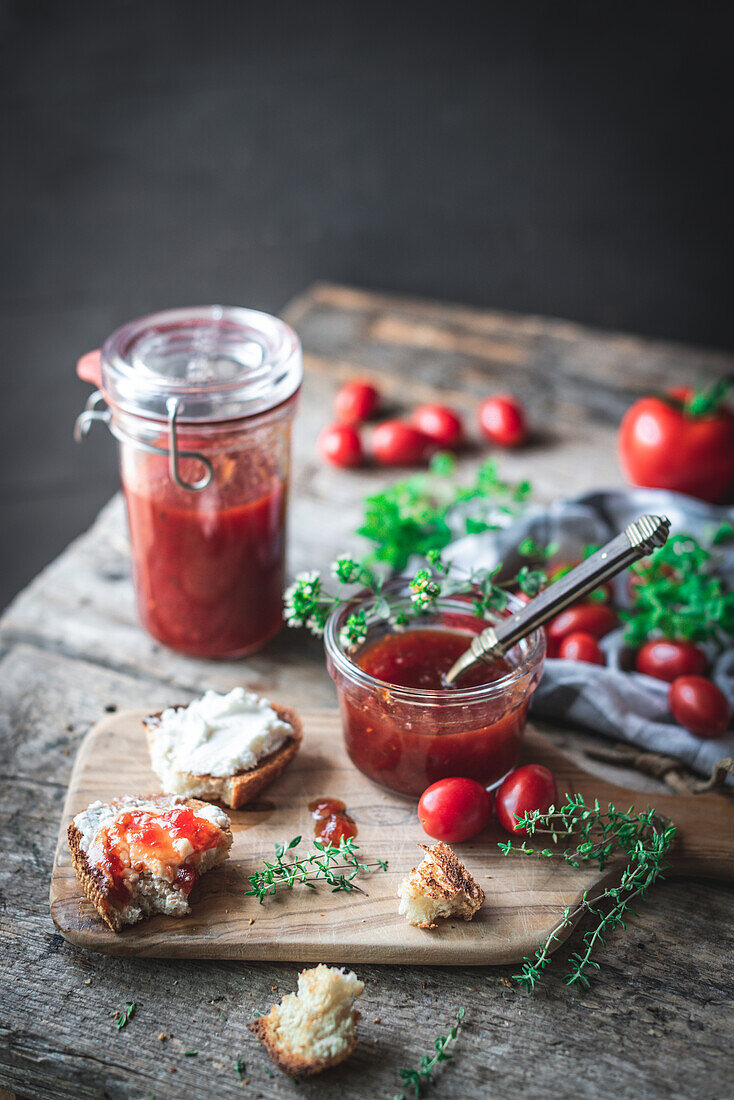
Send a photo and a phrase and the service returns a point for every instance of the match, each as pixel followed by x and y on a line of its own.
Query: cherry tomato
pixel 454 809
pixel 531 787
pixel 395 443
pixel 668 660
pixel 356 401
pixel 596 619
pixel 340 445
pixel 502 420
pixel 439 423
pixel 699 706
pixel 664 446
pixel 581 647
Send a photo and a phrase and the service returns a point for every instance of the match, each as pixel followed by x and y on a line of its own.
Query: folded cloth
pixel 619 704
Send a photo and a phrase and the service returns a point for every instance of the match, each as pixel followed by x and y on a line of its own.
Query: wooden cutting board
pixel 525 897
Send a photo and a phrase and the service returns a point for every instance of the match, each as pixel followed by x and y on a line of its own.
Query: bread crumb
pixel 161 1037
pixel 251 920
pixel 315 1027
pixel 439 887
pixel 87 981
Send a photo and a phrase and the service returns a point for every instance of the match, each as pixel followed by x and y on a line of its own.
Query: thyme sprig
pixel 640 841
pixel 419 1077
pixel 338 865
pixel 308 603
pixel 677 594
pixel 124 1017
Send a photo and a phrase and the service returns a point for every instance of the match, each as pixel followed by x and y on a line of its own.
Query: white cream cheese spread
pixel 216 735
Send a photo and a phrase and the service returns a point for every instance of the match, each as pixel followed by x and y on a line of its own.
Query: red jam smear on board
pixel 209 565
pixel 407 746
pixel 139 836
pixel 331 821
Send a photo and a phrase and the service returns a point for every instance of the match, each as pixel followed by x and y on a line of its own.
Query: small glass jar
pixel 201 401
pixel 407 738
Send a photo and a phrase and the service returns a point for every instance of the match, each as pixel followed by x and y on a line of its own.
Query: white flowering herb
pixel 309 604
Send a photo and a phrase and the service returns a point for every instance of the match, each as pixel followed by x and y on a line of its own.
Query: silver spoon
pixel 636 541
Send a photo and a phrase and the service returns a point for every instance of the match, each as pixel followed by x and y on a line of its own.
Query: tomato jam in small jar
pixel 201 401
pixel 402 727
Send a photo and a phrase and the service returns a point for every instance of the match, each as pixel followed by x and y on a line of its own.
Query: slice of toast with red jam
pixel 138 856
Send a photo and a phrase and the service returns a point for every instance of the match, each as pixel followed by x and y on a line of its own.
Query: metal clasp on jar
pixel 93 412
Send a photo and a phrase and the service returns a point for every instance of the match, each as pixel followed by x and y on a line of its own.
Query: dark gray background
pixel 556 158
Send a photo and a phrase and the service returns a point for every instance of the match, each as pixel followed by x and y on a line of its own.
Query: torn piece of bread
pixel 141 855
pixel 227 748
pixel 440 886
pixel 315 1028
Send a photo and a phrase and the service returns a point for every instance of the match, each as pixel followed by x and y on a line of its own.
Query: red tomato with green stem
pixel 683 442
pixel 667 660
pixel 395 443
pixel 340 445
pixel 356 401
pixel 502 420
pixel 699 706
pixel 439 423
pixel 455 809
pixel 531 787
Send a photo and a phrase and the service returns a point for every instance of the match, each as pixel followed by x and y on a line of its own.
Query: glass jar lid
pixel 215 363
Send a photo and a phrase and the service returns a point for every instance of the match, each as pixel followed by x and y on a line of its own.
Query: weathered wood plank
pixel 656 1022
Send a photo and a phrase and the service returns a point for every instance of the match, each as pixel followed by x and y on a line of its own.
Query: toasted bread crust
pixel 443 879
pixel 242 787
pixel 289 1061
pixel 92 880
pixel 455 875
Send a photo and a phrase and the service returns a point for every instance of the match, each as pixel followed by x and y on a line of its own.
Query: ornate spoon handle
pixel 636 541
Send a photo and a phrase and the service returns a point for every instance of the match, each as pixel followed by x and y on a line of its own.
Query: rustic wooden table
pixel 658 1020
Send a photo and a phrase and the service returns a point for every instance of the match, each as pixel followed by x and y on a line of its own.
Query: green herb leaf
pixel 324 863
pixel 678 595
pixel 410 517
pixel 126 1016
pixel 724 533
pixel 421 1076
pixel 596 836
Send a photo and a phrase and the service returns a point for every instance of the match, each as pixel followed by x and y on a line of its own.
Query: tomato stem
pixel 705 401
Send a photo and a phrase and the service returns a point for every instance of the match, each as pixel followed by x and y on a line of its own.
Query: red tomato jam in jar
pixel 209 568
pixel 202 401
pixel 402 727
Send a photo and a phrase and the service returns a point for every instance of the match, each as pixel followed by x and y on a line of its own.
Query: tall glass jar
pixel 201 402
